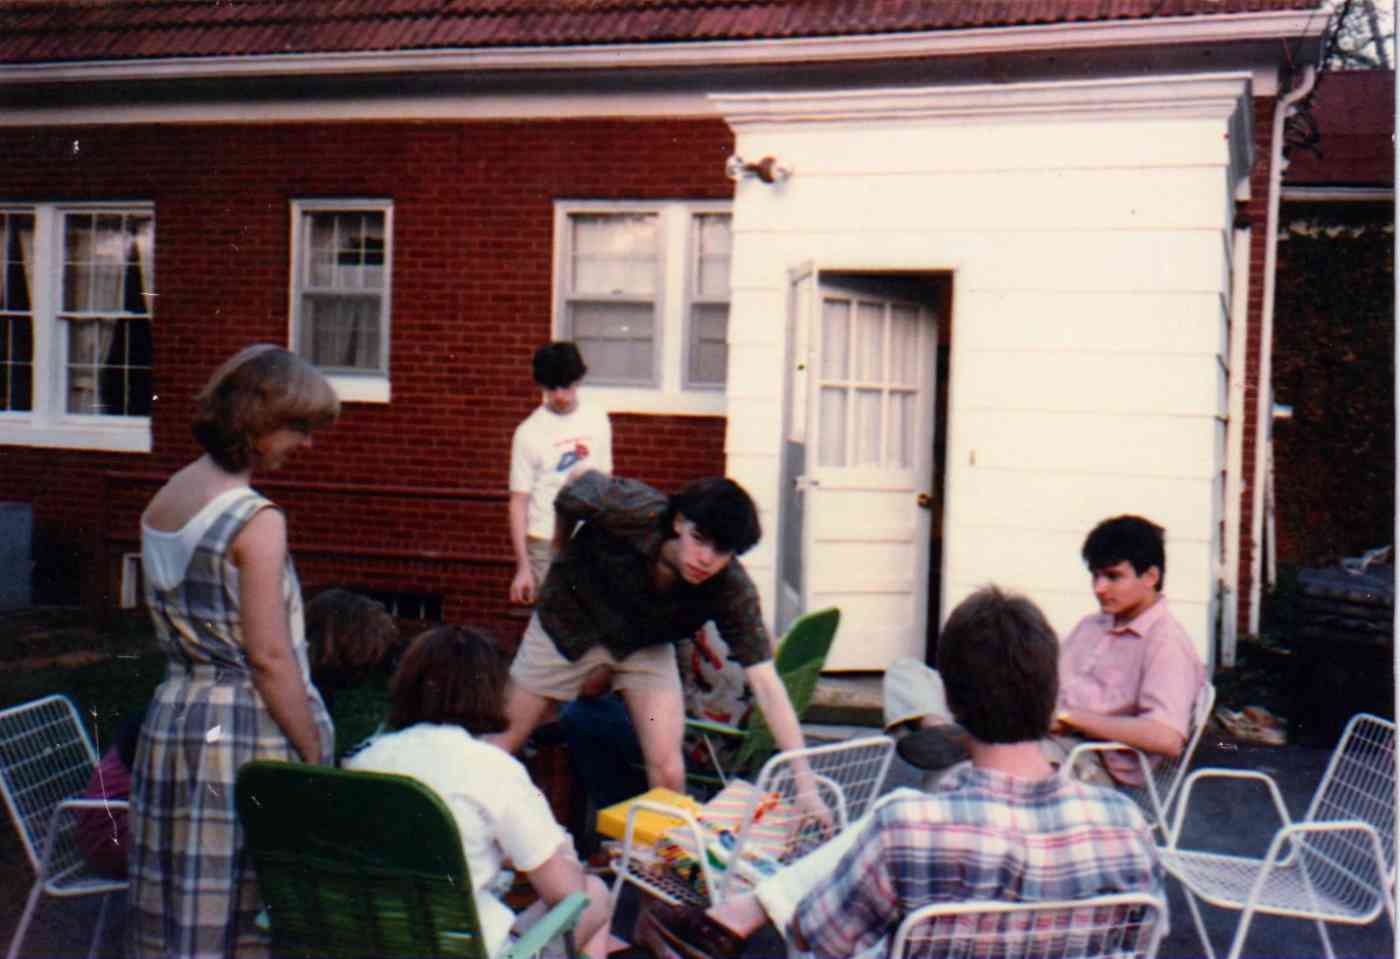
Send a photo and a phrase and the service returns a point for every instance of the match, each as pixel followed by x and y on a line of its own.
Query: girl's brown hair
pixel 259 389
pixel 451 675
pixel 348 635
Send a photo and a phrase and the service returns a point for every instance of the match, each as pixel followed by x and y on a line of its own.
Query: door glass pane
pixel 868 433
pixel 901 430
pixel 836 322
pixel 832 451
pixel 904 341
pixel 614 253
pixel 870 343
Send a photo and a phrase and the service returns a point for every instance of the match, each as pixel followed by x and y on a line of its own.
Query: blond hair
pixel 259 389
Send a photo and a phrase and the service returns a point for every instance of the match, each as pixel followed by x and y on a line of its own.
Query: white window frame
pixel 668 392
pixel 351 387
pixel 49 424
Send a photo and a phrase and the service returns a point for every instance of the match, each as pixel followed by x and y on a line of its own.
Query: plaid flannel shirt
pixel 982 835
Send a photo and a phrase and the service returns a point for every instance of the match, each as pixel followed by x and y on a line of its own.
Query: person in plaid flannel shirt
pixel 1006 826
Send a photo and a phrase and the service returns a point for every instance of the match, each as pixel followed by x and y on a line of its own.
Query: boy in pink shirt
pixel 1127 673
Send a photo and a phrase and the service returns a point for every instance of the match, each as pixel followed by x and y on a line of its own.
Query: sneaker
pixel 933 747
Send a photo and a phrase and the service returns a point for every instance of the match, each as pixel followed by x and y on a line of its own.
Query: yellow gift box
pixel 650 826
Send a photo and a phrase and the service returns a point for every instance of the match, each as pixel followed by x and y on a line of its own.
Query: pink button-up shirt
pixel 1147 667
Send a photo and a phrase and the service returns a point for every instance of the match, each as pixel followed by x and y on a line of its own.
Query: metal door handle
pixel 925 501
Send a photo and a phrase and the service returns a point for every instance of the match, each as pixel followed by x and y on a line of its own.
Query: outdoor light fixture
pixel 768 170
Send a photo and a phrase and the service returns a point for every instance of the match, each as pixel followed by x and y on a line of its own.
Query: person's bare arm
pixel 1140 732
pixel 560 875
pixel 523 585
pixel 771 696
pixel 260 553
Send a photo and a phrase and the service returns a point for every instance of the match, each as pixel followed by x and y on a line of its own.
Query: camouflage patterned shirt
pixel 600 590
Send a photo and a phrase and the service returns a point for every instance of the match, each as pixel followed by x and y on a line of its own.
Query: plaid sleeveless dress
pixel 193 891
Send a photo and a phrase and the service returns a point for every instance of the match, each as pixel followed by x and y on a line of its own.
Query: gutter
pixel 1051 39
pixel 1263 432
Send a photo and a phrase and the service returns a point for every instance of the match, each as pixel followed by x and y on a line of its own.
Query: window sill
pixel 626 399
pixel 130 436
pixel 365 388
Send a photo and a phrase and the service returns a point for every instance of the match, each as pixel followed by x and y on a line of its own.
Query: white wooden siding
pixel 1090 263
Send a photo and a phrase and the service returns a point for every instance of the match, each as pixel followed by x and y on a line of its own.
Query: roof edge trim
pixel 1218 28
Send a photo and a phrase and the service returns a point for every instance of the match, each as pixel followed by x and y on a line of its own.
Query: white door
pixel 862 413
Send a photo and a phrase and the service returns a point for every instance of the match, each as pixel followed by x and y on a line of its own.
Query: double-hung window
pixel 341 267
pixel 643 288
pixel 77 295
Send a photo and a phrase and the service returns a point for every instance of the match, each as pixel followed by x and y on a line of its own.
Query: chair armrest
pixel 120 805
pixel 1188 786
pixel 553 924
pixel 710 726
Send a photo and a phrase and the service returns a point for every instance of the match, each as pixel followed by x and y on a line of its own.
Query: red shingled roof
pixel 1355 115
pixel 39 31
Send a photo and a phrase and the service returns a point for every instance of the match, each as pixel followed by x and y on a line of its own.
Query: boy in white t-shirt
pixel 559 440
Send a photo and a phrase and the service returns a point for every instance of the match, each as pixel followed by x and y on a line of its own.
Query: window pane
pixel 709 351
pixel 17 278
pixel 107 262
pixel 870 343
pixel 868 433
pixel 836 319
pixel 614 253
pixel 109 367
pixel 616 340
pixel 833 427
pixel 16 364
pixel 341 332
pixel 16 322
pixel 712 249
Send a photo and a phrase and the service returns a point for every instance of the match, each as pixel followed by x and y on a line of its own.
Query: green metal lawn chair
pixel 368 864
pixel 799 660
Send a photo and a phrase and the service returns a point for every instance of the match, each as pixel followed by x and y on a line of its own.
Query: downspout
pixel 1234 444
pixel 1264 414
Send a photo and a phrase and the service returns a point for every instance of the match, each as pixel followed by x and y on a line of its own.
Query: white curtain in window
pixel 24 226
pixel 145 252
pixel 89 342
pixel 615 253
pixel 342 331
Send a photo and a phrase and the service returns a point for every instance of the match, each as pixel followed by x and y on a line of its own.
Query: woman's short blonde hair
pixel 259 389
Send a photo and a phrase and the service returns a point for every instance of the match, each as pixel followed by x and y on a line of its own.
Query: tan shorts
pixel 540 668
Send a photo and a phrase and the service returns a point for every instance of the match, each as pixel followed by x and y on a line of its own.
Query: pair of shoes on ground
pixel 933 748
pixel 684 932
pixel 1253 724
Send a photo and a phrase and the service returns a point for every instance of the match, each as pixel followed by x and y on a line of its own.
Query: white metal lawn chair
pixel 848 777
pixel 1120 926
pixel 46 761
pixel 1160 782
pixel 1336 865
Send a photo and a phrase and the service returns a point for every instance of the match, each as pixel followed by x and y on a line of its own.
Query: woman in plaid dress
pixel 227 610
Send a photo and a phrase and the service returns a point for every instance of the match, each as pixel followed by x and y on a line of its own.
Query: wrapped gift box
pixel 650 826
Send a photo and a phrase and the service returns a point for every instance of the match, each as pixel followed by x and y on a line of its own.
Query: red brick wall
pixel 472 281
pixel 1257 213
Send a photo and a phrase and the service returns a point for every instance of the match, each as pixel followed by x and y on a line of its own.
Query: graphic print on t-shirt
pixel 577 452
